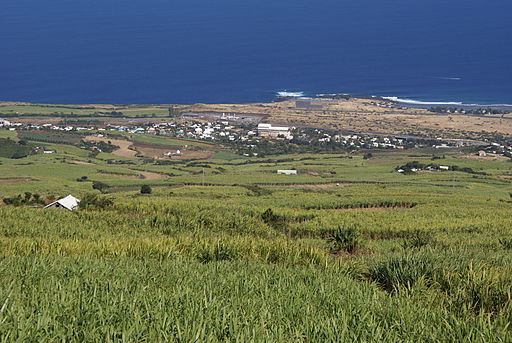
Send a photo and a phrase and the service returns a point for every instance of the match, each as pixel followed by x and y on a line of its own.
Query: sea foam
pixel 441 103
pixel 287 94
pixel 448 78
pixel 417 102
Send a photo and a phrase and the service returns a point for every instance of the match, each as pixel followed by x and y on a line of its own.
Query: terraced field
pixel 225 249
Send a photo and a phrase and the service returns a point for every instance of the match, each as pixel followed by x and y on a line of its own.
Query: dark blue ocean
pixel 187 51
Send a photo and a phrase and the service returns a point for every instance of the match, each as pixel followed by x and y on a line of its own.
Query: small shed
pixel 287 172
pixel 482 153
pixel 69 203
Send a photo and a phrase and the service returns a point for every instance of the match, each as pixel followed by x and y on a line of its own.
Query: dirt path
pixel 373 209
pixel 83 163
pixel 151 175
pixel 14 180
pixel 142 175
pixel 184 142
pixel 121 176
pixel 124 145
pixel 302 186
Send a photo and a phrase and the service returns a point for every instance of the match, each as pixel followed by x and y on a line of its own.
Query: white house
pixel 4 122
pixel 444 168
pixel 287 172
pixel 69 203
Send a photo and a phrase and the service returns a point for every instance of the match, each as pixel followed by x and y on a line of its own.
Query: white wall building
pixel 287 172
pixel 269 131
pixel 69 203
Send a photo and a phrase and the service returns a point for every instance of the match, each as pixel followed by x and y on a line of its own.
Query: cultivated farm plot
pixel 125 147
pixel 21 109
pixel 159 151
pixel 227 249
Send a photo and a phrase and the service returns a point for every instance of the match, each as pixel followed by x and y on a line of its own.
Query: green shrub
pixel 272 219
pixel 93 201
pixel 257 190
pixel 219 252
pixel 26 199
pixel 404 271
pixel 419 239
pixel 100 186
pixel 345 239
pixel 145 189
pixel 477 287
pixel 506 243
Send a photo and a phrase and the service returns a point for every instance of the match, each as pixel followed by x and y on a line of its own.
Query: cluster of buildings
pixel 496 149
pixel 249 137
pixel 427 168
pixel 219 130
pixel 361 141
pixel 4 122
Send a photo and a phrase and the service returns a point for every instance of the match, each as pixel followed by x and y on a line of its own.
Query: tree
pixel 146 189
pixel 173 112
pixel 37 199
pixel 93 201
pixel 28 195
pixel 100 186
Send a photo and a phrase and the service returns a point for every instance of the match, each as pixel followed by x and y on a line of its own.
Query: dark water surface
pixel 186 51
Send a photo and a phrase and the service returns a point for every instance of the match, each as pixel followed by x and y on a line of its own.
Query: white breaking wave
pixel 332 94
pixel 417 102
pixel 286 94
pixel 454 103
pixel 448 78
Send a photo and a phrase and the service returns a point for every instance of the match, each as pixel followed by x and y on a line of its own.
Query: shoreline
pixel 285 96
pixel 410 103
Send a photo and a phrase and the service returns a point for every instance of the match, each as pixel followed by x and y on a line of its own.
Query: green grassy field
pixel 8 109
pixel 227 250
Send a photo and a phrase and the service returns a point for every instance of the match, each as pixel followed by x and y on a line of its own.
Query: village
pixel 259 139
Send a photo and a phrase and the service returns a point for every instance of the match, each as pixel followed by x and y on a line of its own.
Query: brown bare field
pixel 124 146
pixel 142 175
pixel 14 180
pixel 489 157
pixel 82 163
pixel 158 152
pixel 152 175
